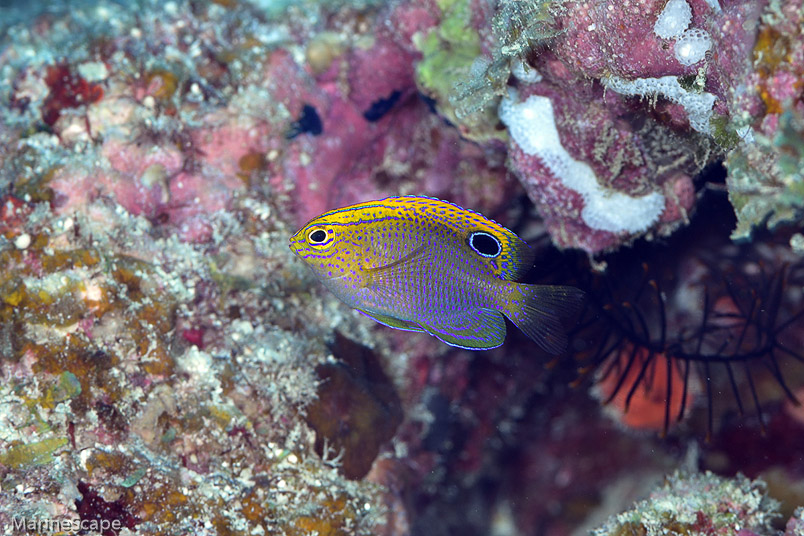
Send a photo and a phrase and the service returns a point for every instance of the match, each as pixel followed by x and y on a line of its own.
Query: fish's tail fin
pixel 538 310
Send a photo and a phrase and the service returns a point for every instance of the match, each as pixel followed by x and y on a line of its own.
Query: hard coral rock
pixel 365 154
pixel 597 178
pixel 795 525
pixel 602 167
pixel 636 96
pixel 699 503
pixel 765 168
pixel 159 341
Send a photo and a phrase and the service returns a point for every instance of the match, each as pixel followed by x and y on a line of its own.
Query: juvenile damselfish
pixel 421 264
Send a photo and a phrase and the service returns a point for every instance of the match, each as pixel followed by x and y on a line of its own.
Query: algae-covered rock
pixel 37 453
pixel 766 178
pixel 448 51
pixel 698 504
pixel 456 70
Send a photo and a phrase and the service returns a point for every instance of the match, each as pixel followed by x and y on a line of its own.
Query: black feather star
pixel 693 329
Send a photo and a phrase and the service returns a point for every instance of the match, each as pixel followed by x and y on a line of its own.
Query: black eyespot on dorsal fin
pixel 484 244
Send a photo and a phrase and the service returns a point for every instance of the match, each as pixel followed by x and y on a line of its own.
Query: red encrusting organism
pixel 67 90
pixel 13 212
pixel 650 403
pixel 93 509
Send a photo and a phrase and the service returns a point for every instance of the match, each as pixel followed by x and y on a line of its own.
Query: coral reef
pixel 795 526
pixel 765 172
pixel 699 504
pixel 159 343
pixel 613 109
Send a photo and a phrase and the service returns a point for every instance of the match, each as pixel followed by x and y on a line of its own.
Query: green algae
pixel 66 388
pixel 766 178
pixel 467 86
pixel 134 477
pixel 31 454
pixel 448 52
pixel 723 132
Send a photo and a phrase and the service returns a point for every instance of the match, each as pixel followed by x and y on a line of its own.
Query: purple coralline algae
pixel 617 106
pixel 795 525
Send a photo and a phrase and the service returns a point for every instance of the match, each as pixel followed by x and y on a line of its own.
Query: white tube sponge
pixel 525 73
pixel 673 20
pixel 697 105
pixel 692 46
pixel 715 5
pixel 532 126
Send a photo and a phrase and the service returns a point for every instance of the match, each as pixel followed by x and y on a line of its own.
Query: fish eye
pixel 484 244
pixel 317 236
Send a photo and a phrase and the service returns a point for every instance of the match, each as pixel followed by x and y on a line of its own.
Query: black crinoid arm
pixel 695 332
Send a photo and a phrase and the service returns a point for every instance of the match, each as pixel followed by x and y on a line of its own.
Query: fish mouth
pixel 294 243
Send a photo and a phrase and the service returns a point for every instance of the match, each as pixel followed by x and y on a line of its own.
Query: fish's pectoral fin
pixel 402 262
pixel 392 322
pixel 385 279
pixel 477 329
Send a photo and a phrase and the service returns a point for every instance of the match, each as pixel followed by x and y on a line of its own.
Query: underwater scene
pixel 402 267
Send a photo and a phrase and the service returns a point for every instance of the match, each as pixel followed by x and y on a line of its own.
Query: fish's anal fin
pixel 538 310
pixel 392 322
pixel 477 329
